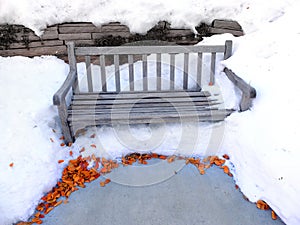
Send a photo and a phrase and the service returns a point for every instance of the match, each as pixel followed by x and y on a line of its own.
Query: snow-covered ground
pixel 262 143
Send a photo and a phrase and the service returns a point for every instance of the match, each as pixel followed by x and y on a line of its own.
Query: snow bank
pixel 139 15
pixel 27 119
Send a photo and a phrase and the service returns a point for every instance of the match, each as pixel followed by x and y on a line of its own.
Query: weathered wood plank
pixel 131 72
pixel 141 101
pixel 75 36
pixel 78 24
pixel 185 71
pixel 140 50
pixel 172 71
pixel 138 95
pixel 153 115
pixel 103 73
pixel 199 70
pixel 114 28
pixel 117 72
pixel 212 68
pixel 145 72
pixel 105 34
pixel 89 73
pixel 158 71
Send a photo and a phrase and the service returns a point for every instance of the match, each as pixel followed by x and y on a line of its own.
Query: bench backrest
pixel 143 52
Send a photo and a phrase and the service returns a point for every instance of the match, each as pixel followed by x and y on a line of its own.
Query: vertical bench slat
pixel 185 71
pixel 145 73
pixel 89 73
pixel 131 72
pixel 212 68
pixel 172 71
pixel 158 71
pixel 117 73
pixel 103 73
pixel 199 70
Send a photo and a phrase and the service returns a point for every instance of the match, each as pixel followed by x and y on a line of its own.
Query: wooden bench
pixel 93 107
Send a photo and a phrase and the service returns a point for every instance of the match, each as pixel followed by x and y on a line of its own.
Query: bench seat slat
pixel 142 95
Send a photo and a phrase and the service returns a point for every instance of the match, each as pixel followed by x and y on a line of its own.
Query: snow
pixel 188 13
pixel 262 143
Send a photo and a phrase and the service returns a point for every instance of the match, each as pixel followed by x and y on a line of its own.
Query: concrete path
pixel 186 197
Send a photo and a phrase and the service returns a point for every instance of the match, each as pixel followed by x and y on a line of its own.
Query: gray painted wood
pixel 145 72
pixel 212 68
pixel 248 92
pixel 228 49
pixel 213 30
pixel 227 24
pixel 172 71
pixel 199 70
pixel 185 71
pixel 117 72
pixel 158 71
pixel 89 73
pixel 131 72
pixel 103 73
pixel 138 95
pixel 140 50
pixel 144 106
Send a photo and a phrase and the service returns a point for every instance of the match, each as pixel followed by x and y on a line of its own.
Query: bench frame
pixel 71 82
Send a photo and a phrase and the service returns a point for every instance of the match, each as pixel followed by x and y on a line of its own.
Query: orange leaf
pixel 93 145
pixel 226 169
pixel 210 84
pixel 171 159
pixel 82 149
pixel 102 184
pixel 62 138
pixel 237 186
pixel 71 153
pixel 61 161
pixel 70 144
pixel 62 144
pixel 58 203
pixel 107 181
pixel 48 210
pixel 274 216
pixel 37 220
pixel 93 136
pixel 262 205
pixel 162 157
pixel 51 140
pixel 11 165
pixel 225 156
pixel 154 155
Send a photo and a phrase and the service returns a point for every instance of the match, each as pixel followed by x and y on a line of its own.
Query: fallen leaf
pixel 54 131
pixel 62 144
pixel 71 153
pixel 48 210
pixel 70 144
pixel 37 220
pixel 82 149
pixel 107 181
pixel 61 161
pixel 93 145
pixel 236 186
pixel 58 203
pixel 62 138
pixel 162 157
pixel 274 216
pixel 171 159
pixel 102 184
pixel 51 140
pixel 11 165
pixel 226 169
pixel 225 156
pixel 210 84
pixel 262 205
pixel 93 136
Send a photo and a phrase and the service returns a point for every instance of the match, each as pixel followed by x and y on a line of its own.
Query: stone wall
pixel 19 40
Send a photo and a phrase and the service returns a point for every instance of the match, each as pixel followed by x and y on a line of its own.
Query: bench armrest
pixel 60 95
pixel 248 91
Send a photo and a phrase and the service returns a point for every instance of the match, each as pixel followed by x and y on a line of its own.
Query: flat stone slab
pixel 183 198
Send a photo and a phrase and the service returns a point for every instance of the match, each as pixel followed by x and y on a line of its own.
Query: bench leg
pixel 64 124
